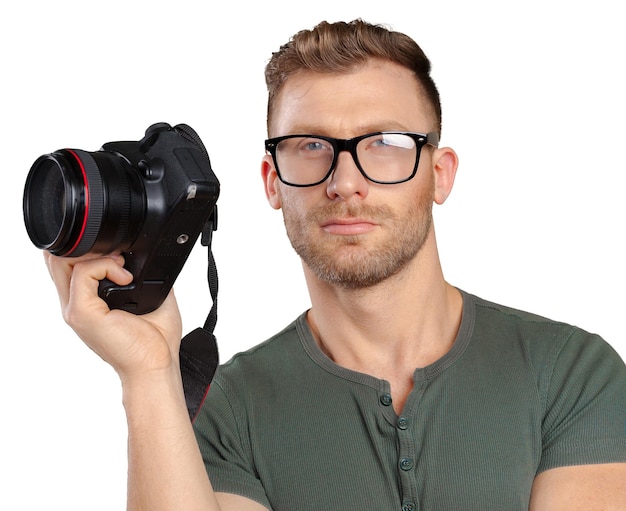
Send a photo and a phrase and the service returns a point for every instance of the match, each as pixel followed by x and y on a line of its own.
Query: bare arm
pixel 165 467
pixel 580 488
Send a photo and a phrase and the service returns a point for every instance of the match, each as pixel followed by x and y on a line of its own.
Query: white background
pixel 533 99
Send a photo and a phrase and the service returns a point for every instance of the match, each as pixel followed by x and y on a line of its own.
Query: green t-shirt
pixel 517 394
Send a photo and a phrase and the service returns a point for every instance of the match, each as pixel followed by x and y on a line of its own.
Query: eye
pixel 390 141
pixel 379 141
pixel 314 145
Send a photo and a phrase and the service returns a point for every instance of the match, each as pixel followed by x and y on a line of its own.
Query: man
pixel 395 390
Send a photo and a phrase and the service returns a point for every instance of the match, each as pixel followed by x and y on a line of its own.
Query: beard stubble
pixel 352 262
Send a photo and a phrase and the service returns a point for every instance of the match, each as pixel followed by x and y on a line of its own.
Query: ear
pixel 271 182
pixel 445 163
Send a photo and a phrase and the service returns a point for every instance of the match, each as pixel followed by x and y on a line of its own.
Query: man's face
pixel 348 230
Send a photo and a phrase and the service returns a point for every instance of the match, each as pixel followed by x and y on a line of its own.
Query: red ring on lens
pixel 86 200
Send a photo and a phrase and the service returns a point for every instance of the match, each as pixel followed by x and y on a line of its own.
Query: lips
pixel 348 226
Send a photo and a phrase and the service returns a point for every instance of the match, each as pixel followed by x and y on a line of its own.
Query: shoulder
pixel 560 355
pixel 580 381
pixel 267 349
pixel 277 359
pixel 543 339
pixel 517 320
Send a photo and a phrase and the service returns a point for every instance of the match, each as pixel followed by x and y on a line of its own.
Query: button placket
pixel 409 440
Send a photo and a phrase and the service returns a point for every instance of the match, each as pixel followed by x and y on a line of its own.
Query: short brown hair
pixel 342 46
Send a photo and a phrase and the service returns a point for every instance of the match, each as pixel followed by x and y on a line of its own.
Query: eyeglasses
pixel 387 157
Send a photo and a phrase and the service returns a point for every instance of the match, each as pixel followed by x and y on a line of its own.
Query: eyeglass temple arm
pixel 432 138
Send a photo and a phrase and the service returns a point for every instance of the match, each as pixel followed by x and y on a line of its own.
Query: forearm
pixel 165 468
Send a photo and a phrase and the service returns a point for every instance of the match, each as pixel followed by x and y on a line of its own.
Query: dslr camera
pixel 148 199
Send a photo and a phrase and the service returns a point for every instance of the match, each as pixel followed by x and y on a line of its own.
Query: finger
pixel 85 279
pixel 60 271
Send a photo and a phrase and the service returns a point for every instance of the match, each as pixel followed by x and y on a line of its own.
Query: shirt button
pixel 408 506
pixel 406 464
pixel 403 423
pixel 385 399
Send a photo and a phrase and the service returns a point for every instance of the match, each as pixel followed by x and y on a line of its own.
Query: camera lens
pixel 77 202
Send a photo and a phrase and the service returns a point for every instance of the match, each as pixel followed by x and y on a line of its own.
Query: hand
pixel 133 344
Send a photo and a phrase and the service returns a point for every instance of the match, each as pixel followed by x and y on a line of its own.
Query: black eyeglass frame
pixel 342 144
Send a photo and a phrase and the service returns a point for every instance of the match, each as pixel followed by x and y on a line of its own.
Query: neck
pixel 408 321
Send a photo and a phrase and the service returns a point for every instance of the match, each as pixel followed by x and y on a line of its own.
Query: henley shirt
pixel 515 395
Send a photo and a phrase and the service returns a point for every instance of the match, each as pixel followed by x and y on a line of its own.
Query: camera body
pixel 148 199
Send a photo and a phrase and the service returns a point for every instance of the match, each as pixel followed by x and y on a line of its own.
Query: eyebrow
pixel 315 129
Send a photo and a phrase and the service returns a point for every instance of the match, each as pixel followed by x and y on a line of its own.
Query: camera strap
pixel 199 355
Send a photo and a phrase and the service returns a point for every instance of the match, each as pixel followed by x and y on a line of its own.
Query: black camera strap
pixel 199 355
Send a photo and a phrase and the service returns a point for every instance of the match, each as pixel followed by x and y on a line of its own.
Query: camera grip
pixel 136 298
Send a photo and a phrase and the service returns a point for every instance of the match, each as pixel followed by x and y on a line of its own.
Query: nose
pixel 346 179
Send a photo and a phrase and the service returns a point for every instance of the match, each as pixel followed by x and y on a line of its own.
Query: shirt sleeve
pixel 585 404
pixel 220 432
